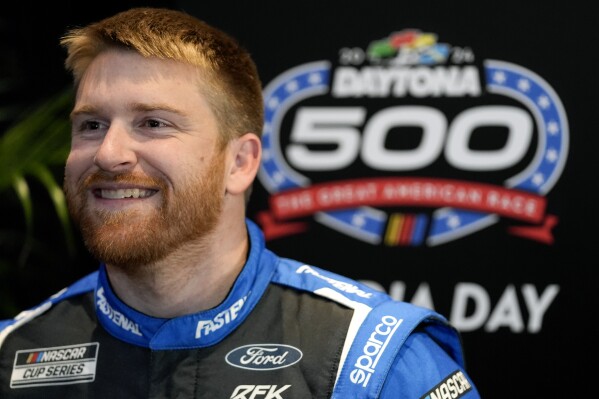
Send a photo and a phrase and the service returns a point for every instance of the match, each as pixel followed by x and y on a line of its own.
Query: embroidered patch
pixel 264 356
pixel 59 365
pixel 453 386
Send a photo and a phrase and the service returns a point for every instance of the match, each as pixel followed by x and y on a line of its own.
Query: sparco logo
pixel 452 387
pixel 264 356
pixel 366 364
pixel 413 124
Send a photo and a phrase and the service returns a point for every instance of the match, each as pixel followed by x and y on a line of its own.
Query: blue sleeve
pixel 423 369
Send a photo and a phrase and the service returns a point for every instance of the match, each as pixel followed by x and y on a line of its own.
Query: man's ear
pixel 247 152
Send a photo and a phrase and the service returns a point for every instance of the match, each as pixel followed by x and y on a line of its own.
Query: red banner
pixel 395 191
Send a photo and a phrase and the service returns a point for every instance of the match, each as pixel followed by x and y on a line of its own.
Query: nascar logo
pixel 73 364
pixel 453 387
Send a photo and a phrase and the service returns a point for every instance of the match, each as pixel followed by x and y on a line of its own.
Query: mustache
pixel 137 179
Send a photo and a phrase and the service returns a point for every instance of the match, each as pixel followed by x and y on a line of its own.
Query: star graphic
pixel 553 128
pixel 315 78
pixel 266 154
pixel 552 155
pixel 524 85
pixel 453 221
pixel 543 102
pixel 292 86
pixel 499 77
pixel 273 102
pixel 358 220
pixel 538 179
pixel 278 177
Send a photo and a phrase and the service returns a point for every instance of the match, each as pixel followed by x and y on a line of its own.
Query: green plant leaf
pixel 41 136
pixel 38 140
pixel 57 196
pixel 22 189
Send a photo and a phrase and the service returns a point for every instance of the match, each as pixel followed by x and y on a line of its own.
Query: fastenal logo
pixel 452 387
pixel 114 315
pixel 410 141
pixel 340 285
pixel 74 364
pixel 206 327
pixel 264 356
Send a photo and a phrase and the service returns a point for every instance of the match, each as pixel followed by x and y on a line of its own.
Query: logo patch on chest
pixel 59 365
pixel 264 356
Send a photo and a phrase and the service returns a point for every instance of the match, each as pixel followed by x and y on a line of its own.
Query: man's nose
pixel 116 151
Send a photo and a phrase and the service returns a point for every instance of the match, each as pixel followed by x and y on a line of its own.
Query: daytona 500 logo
pixel 411 142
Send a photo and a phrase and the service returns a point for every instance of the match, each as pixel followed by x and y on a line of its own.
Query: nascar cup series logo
pixel 410 141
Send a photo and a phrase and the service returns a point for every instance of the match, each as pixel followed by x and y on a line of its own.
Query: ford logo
pixel 263 356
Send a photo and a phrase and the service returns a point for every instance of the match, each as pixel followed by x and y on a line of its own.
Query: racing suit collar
pixel 196 330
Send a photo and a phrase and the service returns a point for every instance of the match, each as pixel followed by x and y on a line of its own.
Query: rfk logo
pixel 258 391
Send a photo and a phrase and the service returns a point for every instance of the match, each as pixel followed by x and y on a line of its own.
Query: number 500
pixel 340 126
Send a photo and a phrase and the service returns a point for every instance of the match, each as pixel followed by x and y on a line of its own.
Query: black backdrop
pixel 491 280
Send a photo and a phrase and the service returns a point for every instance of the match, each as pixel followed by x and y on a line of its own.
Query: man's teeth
pixel 125 193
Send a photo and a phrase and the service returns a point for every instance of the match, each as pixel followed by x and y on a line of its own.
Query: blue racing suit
pixel 285 330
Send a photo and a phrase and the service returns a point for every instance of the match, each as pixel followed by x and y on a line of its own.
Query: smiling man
pixel 187 301
pixel 146 182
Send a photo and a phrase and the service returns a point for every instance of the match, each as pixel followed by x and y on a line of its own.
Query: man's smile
pixel 122 193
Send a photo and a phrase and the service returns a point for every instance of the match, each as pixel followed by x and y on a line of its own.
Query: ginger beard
pixel 127 239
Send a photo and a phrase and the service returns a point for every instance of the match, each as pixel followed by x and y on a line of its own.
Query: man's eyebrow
pixel 83 109
pixel 136 107
pixel 144 107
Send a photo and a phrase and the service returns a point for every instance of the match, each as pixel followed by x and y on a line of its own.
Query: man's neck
pixel 196 277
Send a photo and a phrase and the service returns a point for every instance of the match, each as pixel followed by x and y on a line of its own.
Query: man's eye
pixel 91 125
pixel 154 123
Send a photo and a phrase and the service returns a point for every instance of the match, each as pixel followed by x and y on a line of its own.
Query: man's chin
pixel 117 219
pixel 125 242
pixel 126 253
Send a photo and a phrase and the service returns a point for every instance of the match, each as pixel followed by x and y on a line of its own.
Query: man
pixel 187 301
